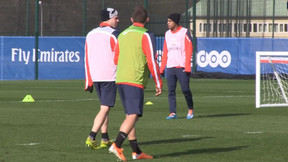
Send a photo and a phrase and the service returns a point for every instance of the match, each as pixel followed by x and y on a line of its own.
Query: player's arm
pixel 188 52
pixel 113 40
pixel 88 80
pixel 148 47
pixel 116 57
pixel 164 58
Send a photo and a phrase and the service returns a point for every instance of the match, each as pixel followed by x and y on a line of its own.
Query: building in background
pixel 241 18
pixel 77 17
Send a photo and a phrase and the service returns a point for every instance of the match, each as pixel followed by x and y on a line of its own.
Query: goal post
pixel 271 79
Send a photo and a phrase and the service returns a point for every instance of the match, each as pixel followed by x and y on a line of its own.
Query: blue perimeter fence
pixel 61 58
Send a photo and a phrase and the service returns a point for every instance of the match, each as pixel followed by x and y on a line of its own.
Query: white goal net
pixel 271 79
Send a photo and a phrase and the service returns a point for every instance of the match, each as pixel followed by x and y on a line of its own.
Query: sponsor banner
pixel 63 57
pixel 217 55
pixel 58 58
pixel 234 55
pixel 10 68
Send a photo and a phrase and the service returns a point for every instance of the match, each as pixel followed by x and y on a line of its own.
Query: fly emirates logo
pixel 17 54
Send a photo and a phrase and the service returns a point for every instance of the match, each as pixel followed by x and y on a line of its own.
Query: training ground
pixel 227 127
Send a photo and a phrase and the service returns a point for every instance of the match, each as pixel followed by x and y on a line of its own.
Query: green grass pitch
pixel 227 127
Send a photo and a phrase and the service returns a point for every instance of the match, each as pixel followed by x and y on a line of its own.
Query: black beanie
pixel 108 13
pixel 175 17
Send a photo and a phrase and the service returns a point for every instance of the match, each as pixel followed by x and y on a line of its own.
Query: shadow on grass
pixel 201 151
pixel 176 140
pixel 221 115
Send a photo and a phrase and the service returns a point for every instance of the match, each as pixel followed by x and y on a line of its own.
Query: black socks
pixel 120 139
pixel 133 143
pixel 134 146
pixel 105 137
pixel 93 135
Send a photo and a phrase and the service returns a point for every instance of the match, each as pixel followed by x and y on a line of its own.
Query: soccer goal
pixel 271 79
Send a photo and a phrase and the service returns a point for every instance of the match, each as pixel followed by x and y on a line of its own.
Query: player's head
pixel 110 16
pixel 173 20
pixel 140 15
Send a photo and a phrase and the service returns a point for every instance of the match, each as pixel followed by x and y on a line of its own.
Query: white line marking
pixel 72 100
pixel 28 144
pixel 191 135
pixel 257 132
pixel 147 98
pixel 241 96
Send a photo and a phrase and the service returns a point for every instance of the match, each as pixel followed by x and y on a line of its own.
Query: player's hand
pixel 158 91
pixel 187 72
pixel 89 88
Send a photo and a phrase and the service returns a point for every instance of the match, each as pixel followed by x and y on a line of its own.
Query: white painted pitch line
pixel 256 132
pixel 148 98
pixel 240 96
pixel 66 100
pixel 72 100
pixel 154 98
pixel 28 144
pixel 190 135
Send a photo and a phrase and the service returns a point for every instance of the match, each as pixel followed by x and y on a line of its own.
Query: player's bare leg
pixel 98 122
pixel 100 118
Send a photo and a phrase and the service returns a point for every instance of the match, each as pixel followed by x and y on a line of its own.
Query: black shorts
pixel 132 99
pixel 106 92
